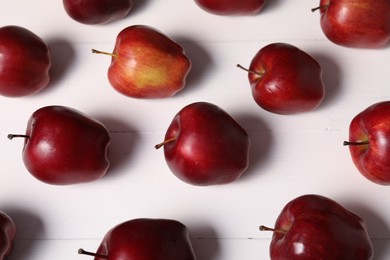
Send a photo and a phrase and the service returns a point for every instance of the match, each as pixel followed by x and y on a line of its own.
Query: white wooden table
pixel 290 155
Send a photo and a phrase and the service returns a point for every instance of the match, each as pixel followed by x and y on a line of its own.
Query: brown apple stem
pixel 12 136
pixel 355 143
pixel 83 252
pixel 250 71
pixel 158 146
pixel 103 52
pixel 319 7
pixel 264 228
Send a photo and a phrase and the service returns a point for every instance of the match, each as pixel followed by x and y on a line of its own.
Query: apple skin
pixel 147 64
pixel 369 142
pixel 64 146
pixel 97 11
pixel 147 239
pixel 25 62
pixel 231 7
pixel 315 227
pixel 286 80
pixel 7 235
pixel 356 23
pixel 206 146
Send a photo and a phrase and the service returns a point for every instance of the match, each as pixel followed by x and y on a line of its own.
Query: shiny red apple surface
pixel 24 62
pixel 65 146
pixel 285 80
pixel 316 227
pixel 369 142
pixel 231 7
pixel 204 145
pixel 97 11
pixel 146 239
pixel 356 23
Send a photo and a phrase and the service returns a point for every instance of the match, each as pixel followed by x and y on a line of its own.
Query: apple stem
pixel 12 136
pixel 264 228
pixel 250 71
pixel 158 146
pixel 83 252
pixel 355 143
pixel 103 52
pixel 319 7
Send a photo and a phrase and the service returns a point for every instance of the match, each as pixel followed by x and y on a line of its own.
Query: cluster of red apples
pixel 203 144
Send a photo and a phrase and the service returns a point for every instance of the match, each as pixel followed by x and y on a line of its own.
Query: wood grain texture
pixel 290 155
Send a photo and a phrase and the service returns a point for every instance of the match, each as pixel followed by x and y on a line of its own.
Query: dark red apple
pixel 24 62
pixel 369 142
pixel 146 239
pixel 204 145
pixel 356 23
pixel 316 227
pixel 64 146
pixel 231 7
pixel 285 80
pixel 7 235
pixel 97 11
pixel 147 64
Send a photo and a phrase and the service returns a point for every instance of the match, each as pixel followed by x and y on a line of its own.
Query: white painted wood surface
pixel 290 155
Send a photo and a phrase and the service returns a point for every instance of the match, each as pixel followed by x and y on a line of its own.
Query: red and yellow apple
pixel 147 64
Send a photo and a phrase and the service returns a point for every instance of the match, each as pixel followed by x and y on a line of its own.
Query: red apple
pixel 64 146
pixel 97 11
pixel 24 62
pixel 356 23
pixel 146 239
pixel 204 145
pixel 316 227
pixel 285 80
pixel 7 235
pixel 231 7
pixel 369 142
pixel 147 64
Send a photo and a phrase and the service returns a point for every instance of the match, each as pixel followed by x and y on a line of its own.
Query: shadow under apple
pixel 62 57
pixel 204 242
pixel 261 142
pixel 271 5
pixel 378 228
pixel 124 140
pixel 29 227
pixel 201 61
pixel 331 77
pixel 138 6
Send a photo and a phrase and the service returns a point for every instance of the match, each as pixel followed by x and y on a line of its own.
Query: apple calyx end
pixel 103 52
pixel 83 252
pixel 12 136
pixel 345 143
pixel 258 73
pixel 158 146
